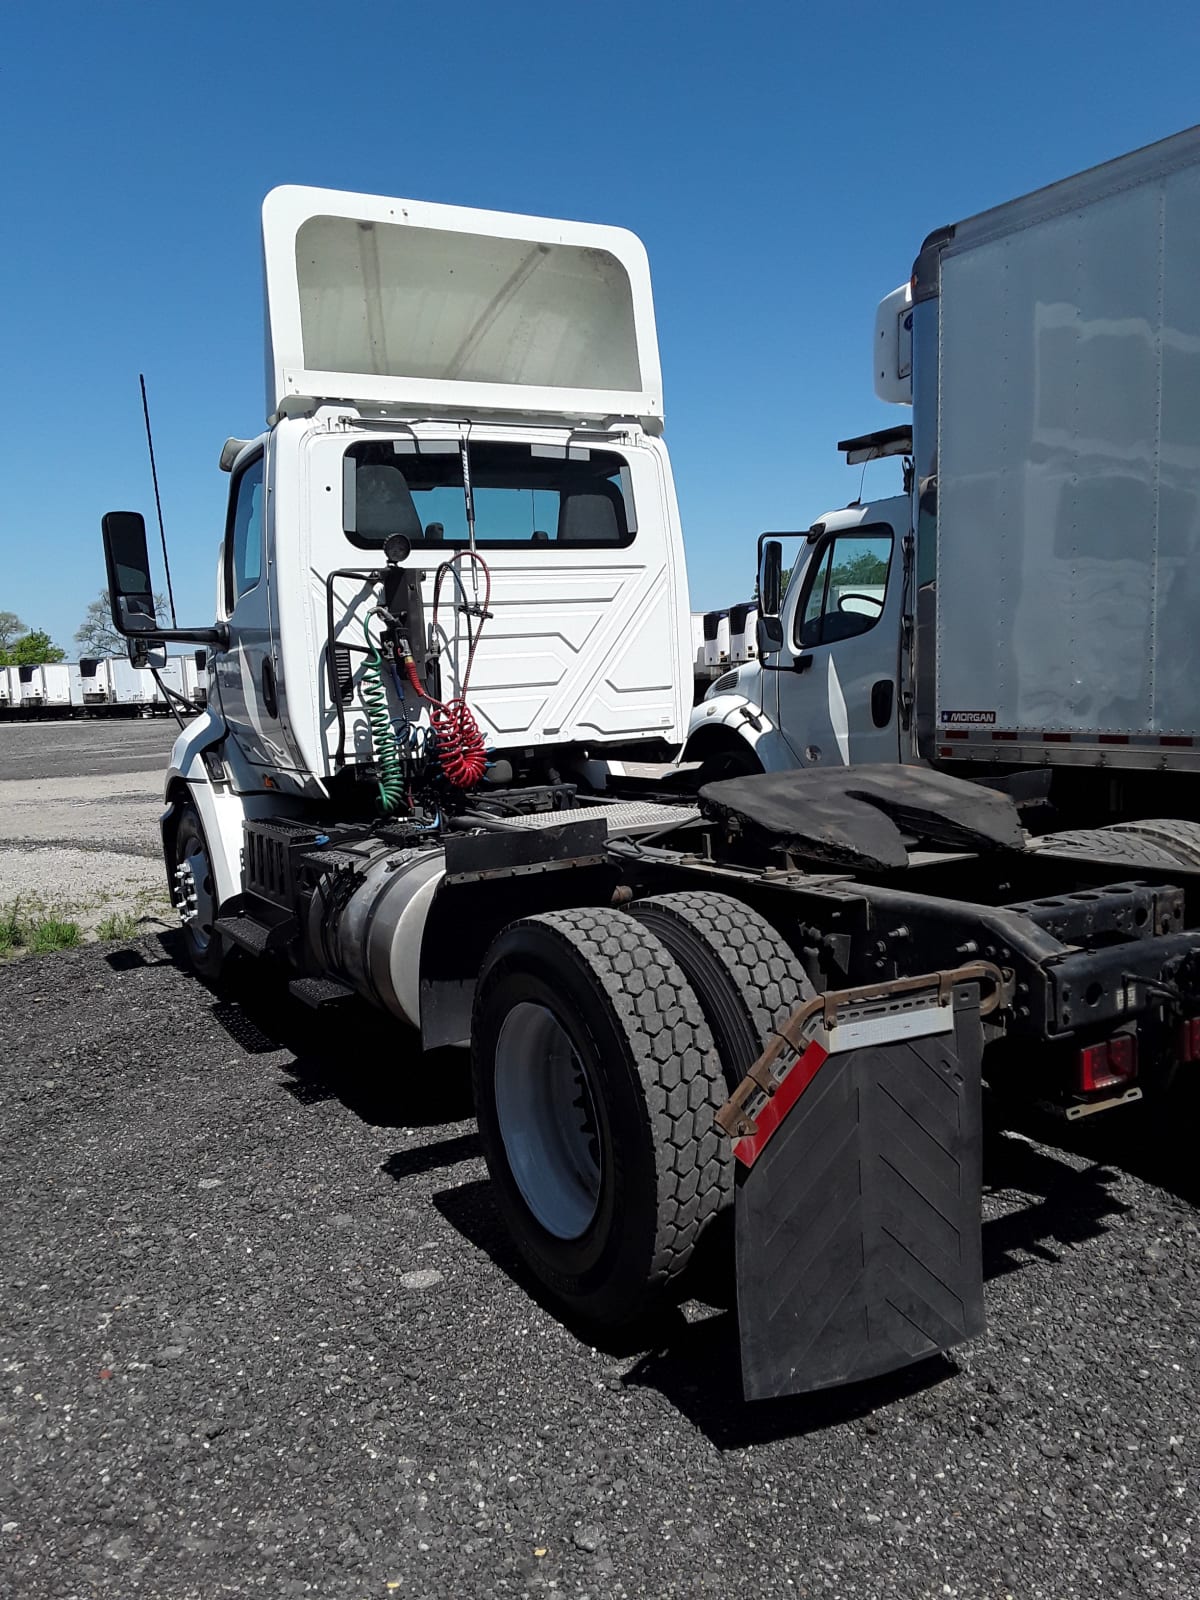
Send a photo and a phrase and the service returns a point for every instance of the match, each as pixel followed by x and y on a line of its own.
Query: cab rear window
pixel 523 494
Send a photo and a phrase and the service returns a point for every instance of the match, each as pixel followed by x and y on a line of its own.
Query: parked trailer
pixel 195 677
pixel 36 690
pixel 743 624
pixel 675 1010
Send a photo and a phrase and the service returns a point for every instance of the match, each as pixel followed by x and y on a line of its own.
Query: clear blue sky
pixel 781 162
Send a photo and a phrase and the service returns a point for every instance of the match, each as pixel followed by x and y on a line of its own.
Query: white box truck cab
pixel 451 601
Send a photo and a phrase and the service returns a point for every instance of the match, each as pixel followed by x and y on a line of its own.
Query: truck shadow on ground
pixel 350 1052
pixel 690 1354
pixel 1039 1202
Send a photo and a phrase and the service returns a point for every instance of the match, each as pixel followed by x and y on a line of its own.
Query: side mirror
pixel 770 578
pixel 148 654
pixel 768 630
pixel 130 593
pixel 768 635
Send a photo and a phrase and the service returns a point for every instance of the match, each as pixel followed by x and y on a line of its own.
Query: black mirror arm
pixel 217 636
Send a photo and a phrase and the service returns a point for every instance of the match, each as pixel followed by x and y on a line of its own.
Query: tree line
pixel 22 646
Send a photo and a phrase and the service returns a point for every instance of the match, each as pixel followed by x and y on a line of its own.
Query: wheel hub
pixel 191 892
pixel 547 1120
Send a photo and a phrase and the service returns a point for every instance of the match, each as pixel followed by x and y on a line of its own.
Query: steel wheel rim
pixel 547 1119
pixel 196 863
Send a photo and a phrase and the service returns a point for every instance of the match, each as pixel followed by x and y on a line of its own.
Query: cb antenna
pixel 162 532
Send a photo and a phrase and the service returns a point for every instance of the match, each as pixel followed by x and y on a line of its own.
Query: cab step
pixel 256 926
pixel 318 992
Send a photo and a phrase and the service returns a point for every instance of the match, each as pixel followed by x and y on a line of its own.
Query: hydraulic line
pixel 388 761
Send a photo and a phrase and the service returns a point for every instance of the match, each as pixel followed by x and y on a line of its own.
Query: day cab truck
pixel 453 605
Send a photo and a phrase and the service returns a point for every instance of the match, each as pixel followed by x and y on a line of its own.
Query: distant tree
pixel 32 649
pixel 96 635
pixel 11 628
pixel 863 568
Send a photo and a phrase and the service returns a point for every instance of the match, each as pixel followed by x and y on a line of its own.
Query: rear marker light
pixel 1103 1066
pixel 1189 1039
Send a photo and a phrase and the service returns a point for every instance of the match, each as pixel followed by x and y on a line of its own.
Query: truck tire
pixel 746 976
pixel 203 945
pixel 1108 844
pixel 1180 837
pixel 596 1082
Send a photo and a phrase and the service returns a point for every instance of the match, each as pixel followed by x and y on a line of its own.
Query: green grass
pixel 52 933
pixel 120 925
pixel 38 934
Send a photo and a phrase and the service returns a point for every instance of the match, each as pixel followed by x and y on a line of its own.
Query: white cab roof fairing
pixel 402 302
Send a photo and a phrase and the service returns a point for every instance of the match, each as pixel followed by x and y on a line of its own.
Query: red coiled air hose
pixel 460 746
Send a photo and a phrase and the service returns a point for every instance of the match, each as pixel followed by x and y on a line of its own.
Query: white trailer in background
pixel 134 691
pixel 172 675
pixel 743 625
pixel 96 691
pixel 195 677
pixel 32 687
pixel 10 691
pixel 56 688
pixel 112 686
pixel 716 638
pixel 697 639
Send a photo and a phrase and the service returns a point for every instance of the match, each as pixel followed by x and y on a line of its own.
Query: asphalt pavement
pixel 79 808
pixel 261 1333
pixel 84 747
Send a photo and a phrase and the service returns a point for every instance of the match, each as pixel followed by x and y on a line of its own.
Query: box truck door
pixel 837 670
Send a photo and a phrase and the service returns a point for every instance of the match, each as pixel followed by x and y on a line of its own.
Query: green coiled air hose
pixel 388 762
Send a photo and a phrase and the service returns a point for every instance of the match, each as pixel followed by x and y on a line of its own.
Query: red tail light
pixel 1189 1039
pixel 1103 1066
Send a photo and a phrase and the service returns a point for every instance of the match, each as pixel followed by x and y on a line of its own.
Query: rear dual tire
pixel 607 1190
pixel 603 1044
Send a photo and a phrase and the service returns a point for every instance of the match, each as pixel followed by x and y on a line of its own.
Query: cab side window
pixel 846 590
pixel 244 531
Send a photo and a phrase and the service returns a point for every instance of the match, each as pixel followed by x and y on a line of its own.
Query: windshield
pixel 523 494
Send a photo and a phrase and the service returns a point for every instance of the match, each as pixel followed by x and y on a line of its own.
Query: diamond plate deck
pixel 623 817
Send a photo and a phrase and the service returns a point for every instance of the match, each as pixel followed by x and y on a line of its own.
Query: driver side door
pixel 837 670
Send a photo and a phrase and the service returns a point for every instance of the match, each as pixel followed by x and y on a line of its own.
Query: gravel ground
pixel 261 1333
pixel 79 809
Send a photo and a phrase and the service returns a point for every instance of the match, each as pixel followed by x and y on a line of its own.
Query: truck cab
pixel 824 691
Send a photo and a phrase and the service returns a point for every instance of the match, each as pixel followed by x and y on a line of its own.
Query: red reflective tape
pixel 1114 738
pixel 1006 734
pixel 1177 739
pixel 781 1102
pixel 1057 738
pixel 956 733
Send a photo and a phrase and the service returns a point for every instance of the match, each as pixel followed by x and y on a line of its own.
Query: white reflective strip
pixel 837 711
pixel 889 1028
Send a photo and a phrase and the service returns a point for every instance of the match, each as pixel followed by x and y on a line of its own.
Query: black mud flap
pixel 858 1224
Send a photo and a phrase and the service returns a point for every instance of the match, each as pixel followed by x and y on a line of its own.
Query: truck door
pixel 836 678
pixel 244 670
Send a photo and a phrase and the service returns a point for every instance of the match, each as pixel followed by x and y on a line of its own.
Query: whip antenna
pixel 162 532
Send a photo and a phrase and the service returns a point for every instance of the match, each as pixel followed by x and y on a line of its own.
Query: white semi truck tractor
pixel 452 603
